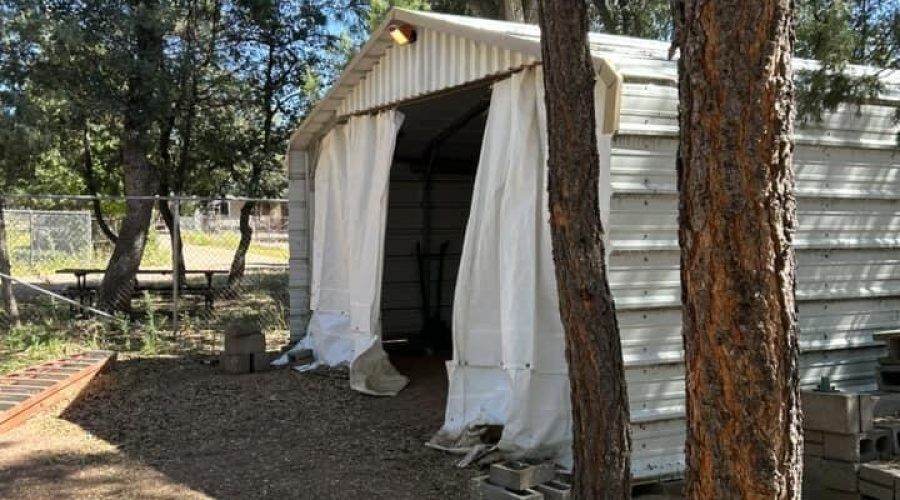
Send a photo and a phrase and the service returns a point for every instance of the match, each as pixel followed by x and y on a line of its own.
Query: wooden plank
pixel 29 392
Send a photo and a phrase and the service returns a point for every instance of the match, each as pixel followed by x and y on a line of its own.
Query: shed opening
pixel 430 194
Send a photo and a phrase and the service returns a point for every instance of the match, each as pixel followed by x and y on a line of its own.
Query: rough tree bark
pixel 737 219
pixel 7 296
pixel 140 178
pixel 593 347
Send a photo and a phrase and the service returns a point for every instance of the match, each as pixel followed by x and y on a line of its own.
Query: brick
pixel 521 475
pixel 876 491
pixel 494 492
pixel 555 490
pixel 862 447
pixel 840 476
pixel 234 363
pixel 476 488
pixel 833 412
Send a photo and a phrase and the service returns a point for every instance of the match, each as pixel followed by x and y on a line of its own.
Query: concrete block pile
pixel 844 431
pixel 521 480
pixel 245 350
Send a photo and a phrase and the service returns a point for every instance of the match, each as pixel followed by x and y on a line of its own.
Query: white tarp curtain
pixel 509 363
pixel 351 194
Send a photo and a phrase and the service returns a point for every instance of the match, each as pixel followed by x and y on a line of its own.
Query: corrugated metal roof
pixel 455 50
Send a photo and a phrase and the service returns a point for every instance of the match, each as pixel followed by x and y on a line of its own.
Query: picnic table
pixel 84 291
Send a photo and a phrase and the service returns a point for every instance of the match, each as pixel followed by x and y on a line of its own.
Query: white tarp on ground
pixel 509 363
pixel 351 195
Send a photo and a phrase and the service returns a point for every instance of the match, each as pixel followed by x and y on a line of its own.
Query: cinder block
pixel 837 495
pixel 494 492
pixel 867 412
pixel 892 339
pixel 862 447
pixel 892 426
pixel 813 449
pixel 876 491
pixel 555 490
pixel 235 363
pixel 833 412
pixel 813 468
pixel 884 474
pixel 888 377
pixel 261 361
pixel 840 476
pixel 246 344
pixel 301 357
pixel 886 404
pixel 476 488
pixel 521 475
pixel 810 436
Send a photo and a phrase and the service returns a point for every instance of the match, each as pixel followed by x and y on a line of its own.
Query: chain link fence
pixel 201 269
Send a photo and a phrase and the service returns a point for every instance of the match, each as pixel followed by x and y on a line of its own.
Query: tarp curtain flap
pixel 351 195
pixel 509 364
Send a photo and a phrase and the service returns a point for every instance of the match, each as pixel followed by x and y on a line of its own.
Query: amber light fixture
pixel 402 33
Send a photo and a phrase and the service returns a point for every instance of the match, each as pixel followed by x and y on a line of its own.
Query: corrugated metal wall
pixel 848 181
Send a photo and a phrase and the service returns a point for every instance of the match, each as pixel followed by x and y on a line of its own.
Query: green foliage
pixel 839 33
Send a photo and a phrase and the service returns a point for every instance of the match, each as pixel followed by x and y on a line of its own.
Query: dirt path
pixel 167 428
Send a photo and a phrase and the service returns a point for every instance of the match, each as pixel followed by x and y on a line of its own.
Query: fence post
pixel 176 264
pixel 30 237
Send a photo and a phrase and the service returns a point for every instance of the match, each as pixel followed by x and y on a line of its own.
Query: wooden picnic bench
pixel 84 292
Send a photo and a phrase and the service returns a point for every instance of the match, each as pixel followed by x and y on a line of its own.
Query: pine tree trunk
pixel 593 348
pixel 7 296
pixel 140 178
pixel 737 219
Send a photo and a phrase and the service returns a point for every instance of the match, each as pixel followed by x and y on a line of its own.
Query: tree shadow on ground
pixel 279 434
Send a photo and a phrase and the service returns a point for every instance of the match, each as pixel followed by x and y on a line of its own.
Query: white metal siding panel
pixel 436 61
pixel 848 186
pixel 298 240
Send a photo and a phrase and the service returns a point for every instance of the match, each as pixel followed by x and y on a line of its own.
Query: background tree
pixel 736 227
pixel 593 346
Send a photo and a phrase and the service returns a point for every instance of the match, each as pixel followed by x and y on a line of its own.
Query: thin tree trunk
pixel 593 347
pixel 239 263
pixel 7 297
pixel 737 219
pixel 91 180
pixel 140 179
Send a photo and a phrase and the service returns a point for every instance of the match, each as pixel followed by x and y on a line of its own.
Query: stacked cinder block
pixel 245 349
pixel 521 480
pixel 888 372
pixel 842 432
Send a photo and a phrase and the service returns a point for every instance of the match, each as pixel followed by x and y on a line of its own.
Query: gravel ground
pixel 170 427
